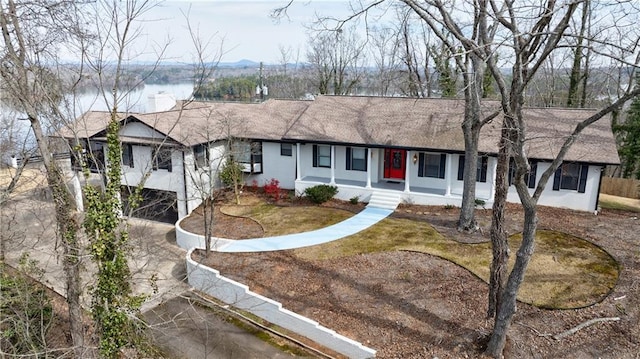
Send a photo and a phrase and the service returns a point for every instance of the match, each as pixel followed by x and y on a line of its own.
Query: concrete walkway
pixel 361 221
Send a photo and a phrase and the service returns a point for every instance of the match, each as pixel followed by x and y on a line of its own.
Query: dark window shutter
pixel 130 155
pixel 443 164
pixel 512 171
pixel 532 174
pixel 460 168
pixel 582 185
pixel 366 159
pixel 556 179
pixel 315 155
pixel 483 169
pixel 421 164
pixel 348 158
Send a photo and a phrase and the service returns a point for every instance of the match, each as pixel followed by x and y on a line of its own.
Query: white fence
pixel 209 280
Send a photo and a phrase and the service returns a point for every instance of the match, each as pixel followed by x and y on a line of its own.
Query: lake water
pixel 134 101
pixel 15 133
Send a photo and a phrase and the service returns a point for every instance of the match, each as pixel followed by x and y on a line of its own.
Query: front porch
pixel 348 189
pixel 400 172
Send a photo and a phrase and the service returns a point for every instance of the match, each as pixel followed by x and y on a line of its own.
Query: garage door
pixel 156 205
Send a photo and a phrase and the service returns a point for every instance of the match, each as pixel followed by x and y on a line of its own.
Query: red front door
pixel 394 163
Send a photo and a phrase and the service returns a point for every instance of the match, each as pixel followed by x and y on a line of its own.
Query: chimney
pixel 160 101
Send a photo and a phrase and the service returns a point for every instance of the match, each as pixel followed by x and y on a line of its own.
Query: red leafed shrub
pixel 254 186
pixel 272 189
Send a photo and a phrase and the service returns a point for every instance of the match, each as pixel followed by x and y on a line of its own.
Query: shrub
pixel 272 189
pixel 231 173
pixel 26 310
pixel 354 199
pixel 449 206
pixel 254 186
pixel 321 193
pixel 480 202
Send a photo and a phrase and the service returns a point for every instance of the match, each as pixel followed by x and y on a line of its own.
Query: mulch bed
pixel 413 305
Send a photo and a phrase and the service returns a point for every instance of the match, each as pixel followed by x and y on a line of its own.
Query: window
pixel 321 156
pixel 286 149
pixel 357 159
pixel 571 176
pixel 201 154
pixel 481 168
pixel 249 154
pixel 431 165
pixel 529 178
pixel 127 154
pixel 162 159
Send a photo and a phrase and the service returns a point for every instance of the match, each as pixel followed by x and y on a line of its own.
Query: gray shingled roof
pixel 430 124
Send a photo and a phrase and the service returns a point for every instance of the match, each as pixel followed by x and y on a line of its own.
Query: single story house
pixel 404 149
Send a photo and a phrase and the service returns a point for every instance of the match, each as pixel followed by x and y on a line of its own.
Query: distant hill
pixel 242 63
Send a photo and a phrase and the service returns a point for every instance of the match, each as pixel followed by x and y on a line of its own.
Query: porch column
pixel 494 171
pixel 298 177
pixel 449 173
pixel 407 171
pixel 333 165
pixel 370 159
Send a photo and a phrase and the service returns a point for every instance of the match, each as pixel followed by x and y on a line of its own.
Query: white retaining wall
pixel 209 280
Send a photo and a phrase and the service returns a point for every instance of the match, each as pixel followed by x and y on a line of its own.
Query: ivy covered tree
pixel 447 73
pixel 113 305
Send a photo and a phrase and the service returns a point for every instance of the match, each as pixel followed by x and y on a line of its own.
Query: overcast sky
pixel 248 30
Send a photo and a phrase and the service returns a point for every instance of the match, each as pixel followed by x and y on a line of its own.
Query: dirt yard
pixel 413 305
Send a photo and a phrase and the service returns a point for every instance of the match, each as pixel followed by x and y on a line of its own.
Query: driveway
pixel 183 329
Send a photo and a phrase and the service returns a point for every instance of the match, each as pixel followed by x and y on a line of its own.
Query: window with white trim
pixel 322 156
pixel 431 165
pixel 481 168
pixel 571 176
pixel 201 154
pixel 356 159
pixel 248 154
pixel 127 155
pixel 529 177
pixel 162 159
pixel 286 149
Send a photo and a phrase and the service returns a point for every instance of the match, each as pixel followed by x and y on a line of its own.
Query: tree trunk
pixel 467 221
pixel 67 227
pixel 573 99
pixel 499 243
pixel 471 129
pixel 507 307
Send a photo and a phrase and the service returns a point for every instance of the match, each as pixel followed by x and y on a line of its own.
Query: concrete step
pixel 385 200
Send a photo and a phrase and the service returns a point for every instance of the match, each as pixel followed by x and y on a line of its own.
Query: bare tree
pixel 32 33
pixel 384 46
pixel 336 60
pixel 415 52
pixel 544 34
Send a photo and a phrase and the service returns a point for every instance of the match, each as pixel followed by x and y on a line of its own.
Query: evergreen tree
pixel 629 133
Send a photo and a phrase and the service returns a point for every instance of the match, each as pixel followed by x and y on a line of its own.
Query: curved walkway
pixel 361 221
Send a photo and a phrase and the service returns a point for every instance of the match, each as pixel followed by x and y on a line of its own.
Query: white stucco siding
pixel 341 166
pixel 306 163
pixel 137 129
pixel 217 155
pixel 274 165
pixel 160 179
pixel 427 182
pixel 565 198
pixel 196 180
pixel 200 182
